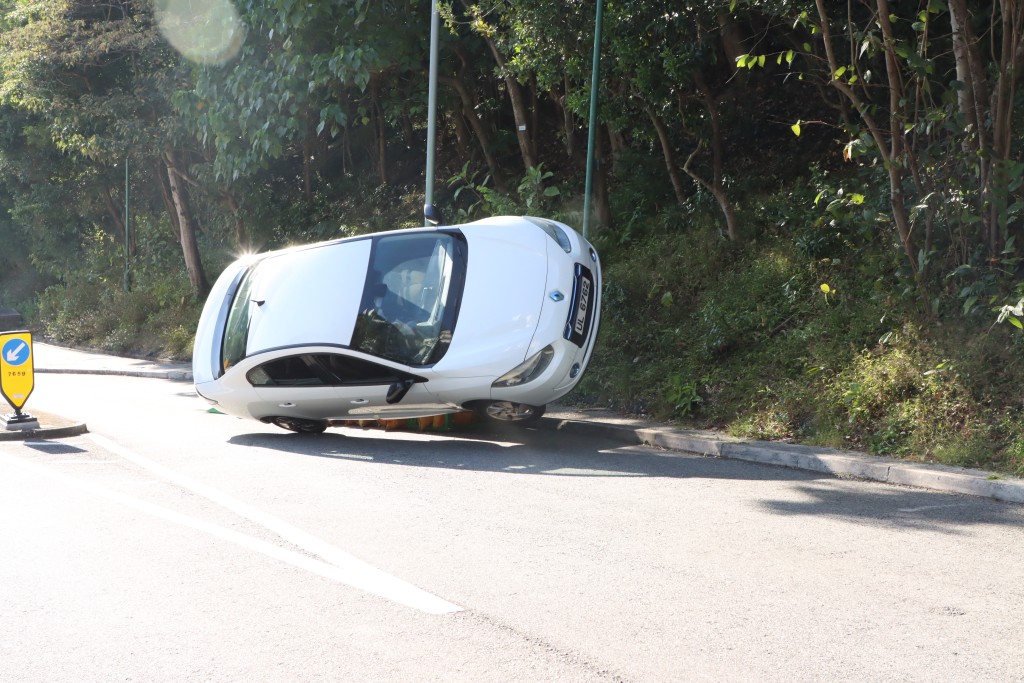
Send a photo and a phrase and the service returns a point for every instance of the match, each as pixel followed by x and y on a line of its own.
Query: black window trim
pixel 400 372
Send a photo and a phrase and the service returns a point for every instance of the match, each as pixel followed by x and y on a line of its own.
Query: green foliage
pixel 776 360
pixel 90 307
pixel 879 216
pixel 535 195
pixel 1012 314
pixel 683 395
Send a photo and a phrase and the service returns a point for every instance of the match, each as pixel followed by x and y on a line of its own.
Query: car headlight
pixel 528 370
pixel 553 231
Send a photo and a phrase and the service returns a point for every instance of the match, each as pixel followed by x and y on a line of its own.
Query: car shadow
pixel 513 450
pixel 545 452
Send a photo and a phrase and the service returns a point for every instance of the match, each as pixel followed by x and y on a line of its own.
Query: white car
pixel 497 316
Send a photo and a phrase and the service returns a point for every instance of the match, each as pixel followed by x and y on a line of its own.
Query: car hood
pixel 506 277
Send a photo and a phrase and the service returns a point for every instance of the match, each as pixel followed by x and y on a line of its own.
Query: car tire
pixel 510 412
pixel 298 424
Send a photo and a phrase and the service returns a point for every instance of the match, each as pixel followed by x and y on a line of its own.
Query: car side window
pixel 322 369
pixel 236 330
pixel 411 298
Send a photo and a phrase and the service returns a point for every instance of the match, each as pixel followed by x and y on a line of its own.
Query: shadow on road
pixel 513 451
pixel 898 506
pixel 519 451
pixel 530 452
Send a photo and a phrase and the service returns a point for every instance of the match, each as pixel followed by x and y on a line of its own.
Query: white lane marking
pixel 356 572
pixel 576 472
pixel 930 507
pixel 368 579
pixel 373 433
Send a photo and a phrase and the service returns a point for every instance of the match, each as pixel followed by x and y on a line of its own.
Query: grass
pixel 780 337
pixel 746 340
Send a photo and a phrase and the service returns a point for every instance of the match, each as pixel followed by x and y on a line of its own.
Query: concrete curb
pixel 51 427
pixel 825 460
pixel 176 375
pixel 45 433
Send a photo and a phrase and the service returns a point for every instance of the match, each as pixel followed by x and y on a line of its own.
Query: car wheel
pixel 509 411
pixel 298 424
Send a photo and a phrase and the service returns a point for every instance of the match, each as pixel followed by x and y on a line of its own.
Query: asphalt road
pixel 175 544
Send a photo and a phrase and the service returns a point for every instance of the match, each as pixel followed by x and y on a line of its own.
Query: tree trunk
pixel 165 194
pixel 186 222
pixel 731 37
pixel 717 191
pixel 668 154
pixel 308 145
pixel 617 145
pixel 568 121
pixel 716 186
pixel 718 160
pixel 969 71
pixel 891 153
pixel 1003 96
pixel 898 158
pixel 116 214
pixel 602 199
pixel 534 115
pixel 519 109
pixel 242 237
pixel 479 129
pixel 462 135
pixel 347 163
pixel 380 133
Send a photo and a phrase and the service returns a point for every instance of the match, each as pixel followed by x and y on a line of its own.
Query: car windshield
pixel 407 308
pixel 411 297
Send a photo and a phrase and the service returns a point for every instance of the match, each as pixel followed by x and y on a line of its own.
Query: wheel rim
pixel 509 412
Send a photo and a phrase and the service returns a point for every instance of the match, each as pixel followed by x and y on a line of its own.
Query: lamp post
pixel 591 133
pixel 127 233
pixel 431 216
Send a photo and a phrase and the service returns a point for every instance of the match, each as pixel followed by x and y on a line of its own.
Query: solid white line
pixel 346 568
pixel 374 581
pixel 82 462
pixel 930 507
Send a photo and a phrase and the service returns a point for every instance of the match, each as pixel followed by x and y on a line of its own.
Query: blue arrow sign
pixel 15 352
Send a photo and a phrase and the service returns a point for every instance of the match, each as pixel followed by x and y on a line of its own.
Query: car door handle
pixel 360 401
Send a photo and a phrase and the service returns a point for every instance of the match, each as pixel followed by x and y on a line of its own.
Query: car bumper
pixel 568 323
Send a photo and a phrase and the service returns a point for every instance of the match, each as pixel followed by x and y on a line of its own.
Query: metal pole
pixel 429 213
pixel 591 133
pixel 127 234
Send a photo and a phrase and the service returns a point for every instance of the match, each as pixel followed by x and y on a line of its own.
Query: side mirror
pixel 431 214
pixel 398 390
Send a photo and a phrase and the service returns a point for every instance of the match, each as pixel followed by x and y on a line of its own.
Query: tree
pixel 98 76
pixel 931 106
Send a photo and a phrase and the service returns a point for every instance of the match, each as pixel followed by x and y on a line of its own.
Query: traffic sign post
pixel 17 377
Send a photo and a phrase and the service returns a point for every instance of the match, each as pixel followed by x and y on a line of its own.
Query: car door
pixel 341 385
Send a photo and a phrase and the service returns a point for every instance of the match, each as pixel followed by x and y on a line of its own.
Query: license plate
pixel 581 314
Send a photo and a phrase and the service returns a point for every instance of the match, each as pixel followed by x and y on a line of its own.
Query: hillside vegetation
pixel 809 213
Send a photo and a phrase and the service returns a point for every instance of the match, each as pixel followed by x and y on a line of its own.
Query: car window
pixel 321 369
pixel 236 331
pixel 411 297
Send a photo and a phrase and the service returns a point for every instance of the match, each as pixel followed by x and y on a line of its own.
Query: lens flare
pixel 204 31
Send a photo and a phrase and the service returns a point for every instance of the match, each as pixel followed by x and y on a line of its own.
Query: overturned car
pixel 497 316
